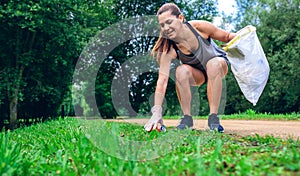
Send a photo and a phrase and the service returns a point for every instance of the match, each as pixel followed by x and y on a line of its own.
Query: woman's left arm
pixel 210 30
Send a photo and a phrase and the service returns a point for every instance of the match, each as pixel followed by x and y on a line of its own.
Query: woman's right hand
pixel 155 119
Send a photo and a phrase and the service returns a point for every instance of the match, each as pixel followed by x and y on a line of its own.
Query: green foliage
pixel 41 42
pixel 61 147
pixel 281 43
pixel 278 30
pixel 199 9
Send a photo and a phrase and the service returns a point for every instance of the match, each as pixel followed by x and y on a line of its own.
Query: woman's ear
pixel 181 17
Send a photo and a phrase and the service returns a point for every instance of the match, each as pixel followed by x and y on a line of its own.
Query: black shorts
pixel 203 70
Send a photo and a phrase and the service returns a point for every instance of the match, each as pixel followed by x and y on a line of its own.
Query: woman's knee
pixel 215 67
pixel 183 73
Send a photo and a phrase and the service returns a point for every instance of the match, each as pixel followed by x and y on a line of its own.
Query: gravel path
pixel 279 128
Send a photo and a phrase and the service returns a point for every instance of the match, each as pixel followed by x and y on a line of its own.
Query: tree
pixel 281 43
pixel 41 42
pixel 278 30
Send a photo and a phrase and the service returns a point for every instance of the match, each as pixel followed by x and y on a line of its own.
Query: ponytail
pixel 162 45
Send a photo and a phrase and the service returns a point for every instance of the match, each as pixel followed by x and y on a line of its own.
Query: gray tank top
pixel 207 50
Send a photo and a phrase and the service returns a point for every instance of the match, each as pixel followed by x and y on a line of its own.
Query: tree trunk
pixel 13 99
pixel 13 110
pixel 14 88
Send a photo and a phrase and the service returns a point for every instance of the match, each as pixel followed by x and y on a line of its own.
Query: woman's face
pixel 170 25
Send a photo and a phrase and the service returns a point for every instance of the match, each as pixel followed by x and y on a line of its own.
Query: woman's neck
pixel 184 36
pixel 187 41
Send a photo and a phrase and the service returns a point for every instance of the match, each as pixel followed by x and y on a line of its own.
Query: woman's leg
pixel 216 70
pixel 187 76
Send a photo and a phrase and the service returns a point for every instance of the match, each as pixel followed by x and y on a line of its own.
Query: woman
pixel 202 62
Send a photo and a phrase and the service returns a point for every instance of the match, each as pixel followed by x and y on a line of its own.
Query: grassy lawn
pixel 78 147
pixel 250 115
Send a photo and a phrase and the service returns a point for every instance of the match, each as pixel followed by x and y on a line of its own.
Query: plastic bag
pixel 248 63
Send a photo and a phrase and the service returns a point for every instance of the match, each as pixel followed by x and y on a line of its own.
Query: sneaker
pixel 185 122
pixel 214 123
pixel 220 129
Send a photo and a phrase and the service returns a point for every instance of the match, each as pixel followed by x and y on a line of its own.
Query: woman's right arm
pixel 163 76
pixel 160 91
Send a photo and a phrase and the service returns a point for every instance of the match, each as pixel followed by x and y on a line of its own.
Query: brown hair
pixel 163 44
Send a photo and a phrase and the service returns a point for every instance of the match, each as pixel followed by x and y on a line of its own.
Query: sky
pixel 225 6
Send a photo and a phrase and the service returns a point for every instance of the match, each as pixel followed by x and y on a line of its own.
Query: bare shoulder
pixel 201 25
pixel 198 22
pixel 207 29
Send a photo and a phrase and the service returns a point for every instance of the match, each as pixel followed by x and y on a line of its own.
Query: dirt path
pixel 283 129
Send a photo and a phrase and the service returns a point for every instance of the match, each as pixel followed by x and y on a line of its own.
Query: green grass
pixel 250 115
pixel 77 147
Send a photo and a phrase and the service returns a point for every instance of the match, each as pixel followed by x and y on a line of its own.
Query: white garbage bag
pixel 248 63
